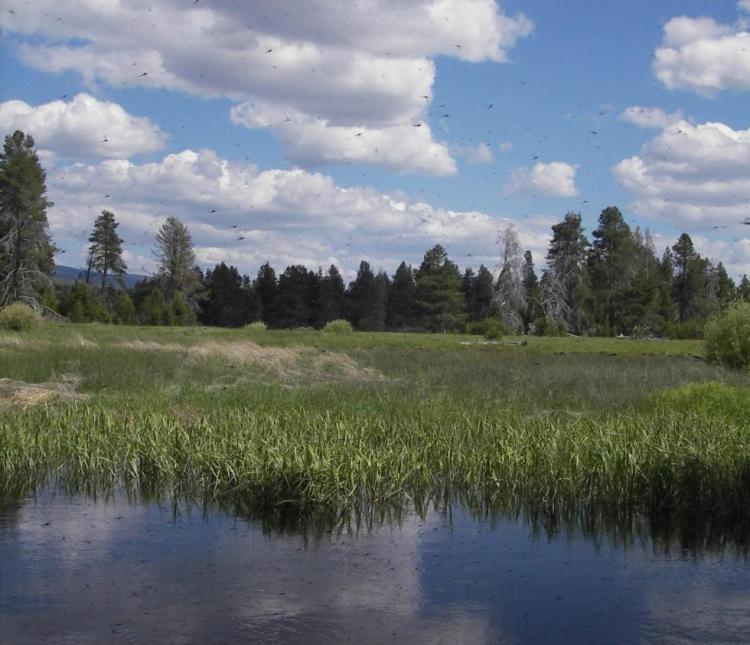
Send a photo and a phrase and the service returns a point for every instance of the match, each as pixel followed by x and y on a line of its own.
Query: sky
pixel 330 131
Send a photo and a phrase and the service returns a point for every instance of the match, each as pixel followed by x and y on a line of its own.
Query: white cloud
pixel 82 127
pixel 743 5
pixel 286 216
pixel 480 153
pixel 311 142
pixel 650 117
pixel 691 174
pixel 704 56
pixel 364 65
pixel 555 179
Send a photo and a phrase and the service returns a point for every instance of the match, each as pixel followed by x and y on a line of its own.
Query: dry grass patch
pixel 24 395
pixel 284 362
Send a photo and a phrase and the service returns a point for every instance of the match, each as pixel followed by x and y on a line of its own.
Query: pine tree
pixel 366 300
pixel 266 288
pixel 531 290
pixel 26 251
pixel 229 299
pixel 440 303
pixel 400 314
pixel 105 249
pixel 332 294
pixel 564 289
pixel 292 303
pixel 174 251
pixel 612 266
pixel 690 278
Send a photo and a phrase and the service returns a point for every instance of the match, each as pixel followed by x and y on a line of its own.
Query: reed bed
pixel 656 462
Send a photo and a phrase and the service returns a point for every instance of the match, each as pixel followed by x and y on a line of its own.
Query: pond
pixel 75 569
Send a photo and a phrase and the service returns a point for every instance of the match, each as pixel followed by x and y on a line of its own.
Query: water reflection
pixel 75 569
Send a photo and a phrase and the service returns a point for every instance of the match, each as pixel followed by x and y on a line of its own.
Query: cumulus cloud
pixel 744 5
pixel 691 174
pixel 285 216
pixel 334 64
pixel 555 179
pixel 311 142
pixel 82 127
pixel 650 117
pixel 704 56
pixel 480 153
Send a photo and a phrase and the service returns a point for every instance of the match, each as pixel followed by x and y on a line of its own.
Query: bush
pixel 543 326
pixel 728 337
pixel 490 328
pixel 258 325
pixel 493 329
pixel 19 317
pixel 339 327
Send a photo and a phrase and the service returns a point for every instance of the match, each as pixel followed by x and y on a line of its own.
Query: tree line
pixel 614 283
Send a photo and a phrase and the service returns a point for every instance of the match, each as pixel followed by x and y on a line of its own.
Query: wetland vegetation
pixel 364 424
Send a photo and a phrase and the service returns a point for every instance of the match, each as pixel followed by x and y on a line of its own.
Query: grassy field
pixel 372 423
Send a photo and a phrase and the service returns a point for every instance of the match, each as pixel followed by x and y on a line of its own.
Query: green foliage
pixel 257 326
pixel 439 299
pixel 728 337
pixel 155 310
pixel 543 326
pixel 338 327
pixel 83 303
pixel 709 399
pixel 26 250
pixel 18 317
pixel 490 328
pixel 105 250
pixel 124 309
pixel 183 313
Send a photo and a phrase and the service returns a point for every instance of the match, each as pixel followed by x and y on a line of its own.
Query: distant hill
pixel 68 275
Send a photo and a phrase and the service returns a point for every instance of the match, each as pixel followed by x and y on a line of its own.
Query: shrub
pixel 258 325
pixel 728 337
pixel 543 326
pixel 19 317
pixel 493 329
pixel 338 326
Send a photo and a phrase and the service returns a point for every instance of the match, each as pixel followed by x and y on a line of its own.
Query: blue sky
pixel 322 132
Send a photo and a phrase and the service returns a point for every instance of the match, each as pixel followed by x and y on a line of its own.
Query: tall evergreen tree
pixel 743 290
pixel 440 303
pixel 26 250
pixel 177 269
pixel 266 288
pixel 564 288
pixel 292 303
pixel 229 299
pixel 105 249
pixel 612 265
pixel 401 313
pixel 332 294
pixel 366 300
pixel 531 290
pixel 689 280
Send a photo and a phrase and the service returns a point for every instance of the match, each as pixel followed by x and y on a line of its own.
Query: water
pixel 76 570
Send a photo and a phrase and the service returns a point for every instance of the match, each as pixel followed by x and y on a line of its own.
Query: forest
pixel 613 282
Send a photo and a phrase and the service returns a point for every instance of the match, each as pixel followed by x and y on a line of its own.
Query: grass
pixel 366 422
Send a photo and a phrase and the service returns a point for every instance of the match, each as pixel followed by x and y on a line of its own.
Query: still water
pixel 79 570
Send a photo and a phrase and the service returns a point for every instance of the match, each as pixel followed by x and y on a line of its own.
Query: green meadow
pixel 368 423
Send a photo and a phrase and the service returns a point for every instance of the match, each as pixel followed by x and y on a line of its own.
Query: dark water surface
pixel 75 570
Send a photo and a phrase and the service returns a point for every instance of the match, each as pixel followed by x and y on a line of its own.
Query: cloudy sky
pixel 327 131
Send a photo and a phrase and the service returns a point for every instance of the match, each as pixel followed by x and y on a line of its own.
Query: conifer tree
pixel 105 250
pixel 26 250
pixel 440 303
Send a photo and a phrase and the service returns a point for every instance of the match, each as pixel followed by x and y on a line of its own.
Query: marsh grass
pixel 555 429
